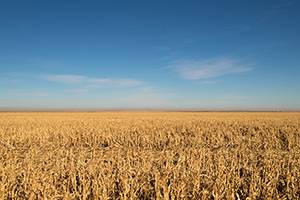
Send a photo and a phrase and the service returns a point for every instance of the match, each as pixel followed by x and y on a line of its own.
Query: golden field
pixel 149 155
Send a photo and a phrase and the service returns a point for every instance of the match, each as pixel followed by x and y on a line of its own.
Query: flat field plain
pixel 149 155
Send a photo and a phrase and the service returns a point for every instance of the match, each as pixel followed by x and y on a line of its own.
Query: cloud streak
pixel 92 82
pixel 236 97
pixel 209 68
pixel 38 94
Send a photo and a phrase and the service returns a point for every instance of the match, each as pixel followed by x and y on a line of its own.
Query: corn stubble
pixel 149 155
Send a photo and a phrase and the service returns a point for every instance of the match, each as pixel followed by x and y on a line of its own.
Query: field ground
pixel 149 155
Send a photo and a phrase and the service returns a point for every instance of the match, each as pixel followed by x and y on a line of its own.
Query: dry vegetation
pixel 149 155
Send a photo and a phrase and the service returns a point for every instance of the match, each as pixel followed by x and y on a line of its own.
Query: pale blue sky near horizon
pixel 149 55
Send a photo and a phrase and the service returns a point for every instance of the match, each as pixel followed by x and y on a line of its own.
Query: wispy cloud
pixel 195 70
pixel 282 5
pixel 68 79
pixel 235 97
pixel 42 94
pixel 14 74
pixel 207 82
pixel 278 8
pixel 46 64
pixel 177 43
pixel 92 82
pixel 38 94
pixel 76 91
pixel 231 32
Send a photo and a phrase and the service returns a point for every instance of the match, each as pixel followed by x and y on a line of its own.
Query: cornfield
pixel 149 155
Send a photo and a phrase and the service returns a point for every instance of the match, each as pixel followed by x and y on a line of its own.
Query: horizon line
pixel 143 110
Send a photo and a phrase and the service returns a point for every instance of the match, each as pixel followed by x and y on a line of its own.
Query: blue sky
pixel 149 55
